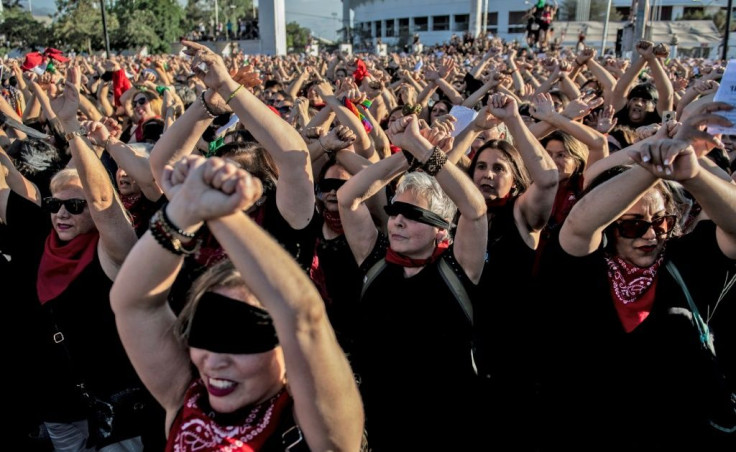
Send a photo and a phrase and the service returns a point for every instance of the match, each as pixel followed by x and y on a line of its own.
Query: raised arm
pixel 471 234
pixel 595 141
pixel 326 398
pixel 295 190
pixel 360 231
pixel 535 204
pixel 645 49
pixel 117 235
pixel 15 180
pixel 134 163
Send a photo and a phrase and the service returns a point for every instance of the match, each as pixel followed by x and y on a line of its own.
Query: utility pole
pixel 728 29
pixel 640 26
pixel 104 29
pixel 605 28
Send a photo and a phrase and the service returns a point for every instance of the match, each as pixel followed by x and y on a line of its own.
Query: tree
pixel 21 29
pixel 297 37
pixel 569 8
pixel 154 23
pixel 79 24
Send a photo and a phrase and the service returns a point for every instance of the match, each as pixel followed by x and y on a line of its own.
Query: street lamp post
pixel 728 29
pixel 605 28
pixel 104 29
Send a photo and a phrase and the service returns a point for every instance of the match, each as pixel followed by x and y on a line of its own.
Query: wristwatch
pixel 81 132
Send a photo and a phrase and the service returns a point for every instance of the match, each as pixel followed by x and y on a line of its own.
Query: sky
pixel 323 17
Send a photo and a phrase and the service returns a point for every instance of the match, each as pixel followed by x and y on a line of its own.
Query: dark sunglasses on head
pixel 327 185
pixel 74 206
pixel 140 101
pixel 632 229
pixel 416 213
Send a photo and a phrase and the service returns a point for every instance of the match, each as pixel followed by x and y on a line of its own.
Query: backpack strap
pixel 703 331
pixel 371 275
pixel 457 288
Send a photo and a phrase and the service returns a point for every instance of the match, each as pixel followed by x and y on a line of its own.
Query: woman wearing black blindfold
pixel 247 325
pixel 634 273
pixel 409 321
pixel 81 250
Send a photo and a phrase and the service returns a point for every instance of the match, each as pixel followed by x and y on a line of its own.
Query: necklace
pixel 726 288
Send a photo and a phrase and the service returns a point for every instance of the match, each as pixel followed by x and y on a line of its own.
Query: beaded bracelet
pixel 436 161
pixel 165 236
pixel 172 226
pixel 206 107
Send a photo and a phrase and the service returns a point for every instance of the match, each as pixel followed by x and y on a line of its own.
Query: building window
pixel 665 13
pixel 624 11
pixel 492 22
pixel 421 24
pixel 440 23
pixel 462 22
pixel 390 29
pixel 378 29
pixel 517 24
pixel 404 26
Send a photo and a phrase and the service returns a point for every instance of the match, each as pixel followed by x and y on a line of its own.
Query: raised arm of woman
pixel 534 207
pixel 360 231
pixel 295 192
pixel 326 399
pixel 117 235
pixel 471 234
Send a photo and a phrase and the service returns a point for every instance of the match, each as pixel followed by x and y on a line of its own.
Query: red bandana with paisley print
pixel 632 289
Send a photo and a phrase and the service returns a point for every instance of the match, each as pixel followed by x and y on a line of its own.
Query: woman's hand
pixel 66 105
pixel 543 108
pixel 207 188
pixel 96 132
pixel 503 107
pixel 207 65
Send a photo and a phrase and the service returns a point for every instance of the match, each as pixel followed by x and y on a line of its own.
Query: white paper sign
pixel 464 116
pixel 726 93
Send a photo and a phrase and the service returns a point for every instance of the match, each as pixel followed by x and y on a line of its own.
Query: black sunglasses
pixel 140 101
pixel 632 229
pixel 327 185
pixel 74 206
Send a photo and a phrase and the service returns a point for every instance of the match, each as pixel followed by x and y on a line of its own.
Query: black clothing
pixel 643 390
pixel 413 357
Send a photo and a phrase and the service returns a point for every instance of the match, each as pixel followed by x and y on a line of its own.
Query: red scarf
pixel 566 197
pixel 396 258
pixel 632 289
pixel 394 149
pixel 360 71
pixel 195 429
pixel 62 262
pixel 498 202
pixel 332 220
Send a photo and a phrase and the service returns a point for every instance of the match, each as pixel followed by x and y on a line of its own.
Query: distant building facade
pixel 435 21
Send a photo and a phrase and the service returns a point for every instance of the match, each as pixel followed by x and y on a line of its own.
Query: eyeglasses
pixel 632 229
pixel 74 206
pixel 327 185
pixel 140 101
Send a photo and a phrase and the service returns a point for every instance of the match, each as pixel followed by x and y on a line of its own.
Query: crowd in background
pixel 470 246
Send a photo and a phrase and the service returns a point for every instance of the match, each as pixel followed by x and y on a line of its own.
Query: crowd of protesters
pixel 467 247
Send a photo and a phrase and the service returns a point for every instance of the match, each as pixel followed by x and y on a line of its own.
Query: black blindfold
pixel 416 213
pixel 224 325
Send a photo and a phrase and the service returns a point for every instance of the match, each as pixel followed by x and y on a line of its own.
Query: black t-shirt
pixel 655 377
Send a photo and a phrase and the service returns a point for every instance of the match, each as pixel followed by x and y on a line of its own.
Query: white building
pixel 436 20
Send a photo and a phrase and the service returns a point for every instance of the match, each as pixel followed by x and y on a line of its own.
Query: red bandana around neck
pixel 632 289
pixel 498 202
pixel 195 429
pixel 396 258
pixel 62 262
pixel 332 220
